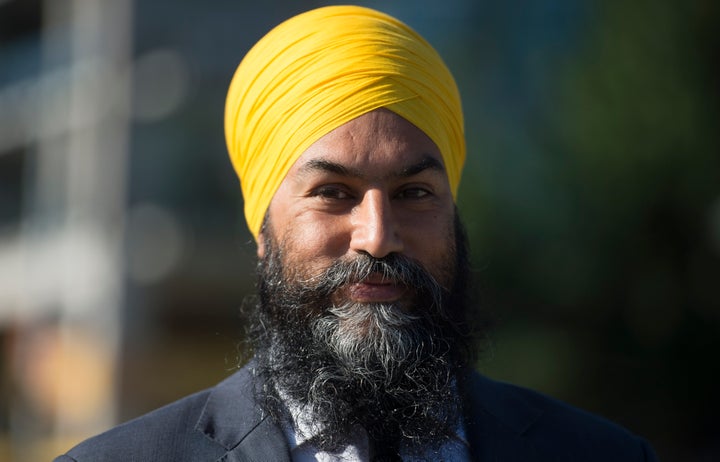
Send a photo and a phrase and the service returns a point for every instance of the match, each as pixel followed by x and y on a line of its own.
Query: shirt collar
pixel 300 432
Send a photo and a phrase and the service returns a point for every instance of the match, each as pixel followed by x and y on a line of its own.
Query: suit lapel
pixel 496 422
pixel 490 442
pixel 264 442
pixel 232 419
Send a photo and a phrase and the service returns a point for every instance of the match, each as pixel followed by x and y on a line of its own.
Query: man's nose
pixel 374 228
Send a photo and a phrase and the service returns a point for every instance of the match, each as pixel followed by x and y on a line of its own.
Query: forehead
pixel 371 144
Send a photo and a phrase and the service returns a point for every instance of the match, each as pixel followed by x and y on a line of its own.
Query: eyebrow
pixel 427 163
pixel 323 165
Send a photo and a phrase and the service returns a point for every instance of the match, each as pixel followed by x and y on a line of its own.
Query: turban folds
pixel 321 69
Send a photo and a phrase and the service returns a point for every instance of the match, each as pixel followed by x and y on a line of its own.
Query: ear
pixel 260 240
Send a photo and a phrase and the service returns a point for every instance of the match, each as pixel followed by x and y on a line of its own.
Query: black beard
pixel 388 368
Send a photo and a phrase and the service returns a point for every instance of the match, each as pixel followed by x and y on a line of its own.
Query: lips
pixel 375 289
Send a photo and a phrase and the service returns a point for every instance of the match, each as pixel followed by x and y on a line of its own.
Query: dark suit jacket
pixel 503 423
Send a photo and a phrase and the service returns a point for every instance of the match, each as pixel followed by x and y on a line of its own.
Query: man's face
pixel 376 186
pixel 361 282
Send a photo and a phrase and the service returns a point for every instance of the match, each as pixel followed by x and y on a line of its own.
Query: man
pixel 345 128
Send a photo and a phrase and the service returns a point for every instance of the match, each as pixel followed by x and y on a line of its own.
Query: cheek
pixel 425 227
pixel 432 242
pixel 313 245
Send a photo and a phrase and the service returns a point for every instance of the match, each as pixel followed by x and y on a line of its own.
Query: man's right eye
pixel 332 192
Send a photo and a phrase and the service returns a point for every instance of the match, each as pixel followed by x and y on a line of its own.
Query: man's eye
pixel 332 192
pixel 413 193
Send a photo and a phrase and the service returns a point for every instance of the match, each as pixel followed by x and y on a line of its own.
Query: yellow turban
pixel 321 69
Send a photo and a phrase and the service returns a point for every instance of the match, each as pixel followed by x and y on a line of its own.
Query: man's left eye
pixel 413 193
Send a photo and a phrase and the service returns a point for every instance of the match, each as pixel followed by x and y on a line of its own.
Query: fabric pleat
pixel 321 69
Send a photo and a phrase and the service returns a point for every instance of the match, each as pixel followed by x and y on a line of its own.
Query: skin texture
pixel 375 185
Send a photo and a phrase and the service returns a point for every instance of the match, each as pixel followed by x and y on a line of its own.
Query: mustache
pixel 394 268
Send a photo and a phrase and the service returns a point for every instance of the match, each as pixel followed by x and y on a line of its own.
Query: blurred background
pixel 591 197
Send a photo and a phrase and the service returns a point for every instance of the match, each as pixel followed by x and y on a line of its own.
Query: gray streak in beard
pixel 378 338
pixel 368 337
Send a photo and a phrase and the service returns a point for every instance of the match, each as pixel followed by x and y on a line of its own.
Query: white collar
pixel 302 429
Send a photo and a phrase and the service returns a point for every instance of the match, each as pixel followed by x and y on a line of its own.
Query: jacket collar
pixel 232 419
pixel 497 420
